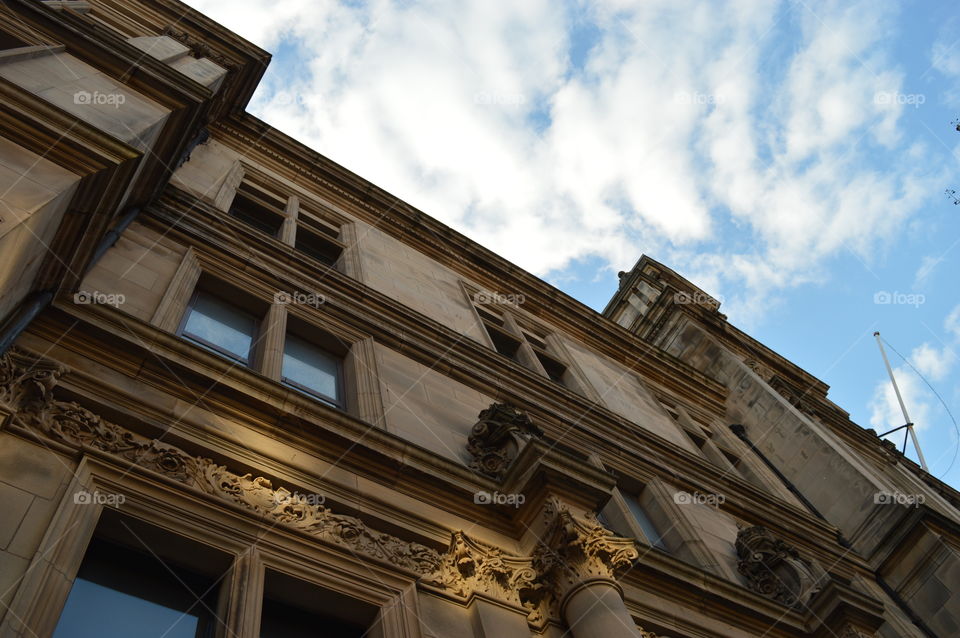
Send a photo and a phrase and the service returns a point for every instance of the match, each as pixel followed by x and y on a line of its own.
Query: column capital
pixel 575 552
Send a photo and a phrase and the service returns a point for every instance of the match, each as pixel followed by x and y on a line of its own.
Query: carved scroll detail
pixel 498 437
pixel 774 569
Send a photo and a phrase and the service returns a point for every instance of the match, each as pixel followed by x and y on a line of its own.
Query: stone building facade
pixel 245 392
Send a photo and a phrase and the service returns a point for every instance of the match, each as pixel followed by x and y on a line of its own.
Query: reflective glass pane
pixel 311 367
pixel 95 611
pixel 220 324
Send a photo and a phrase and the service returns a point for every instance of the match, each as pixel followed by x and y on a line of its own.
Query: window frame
pixel 337 402
pixel 250 192
pixel 247 362
pixel 39 599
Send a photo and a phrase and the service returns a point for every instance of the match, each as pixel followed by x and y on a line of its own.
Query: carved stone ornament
pixel 498 437
pixel 849 631
pixel 774 569
pixel 470 567
pixel 760 370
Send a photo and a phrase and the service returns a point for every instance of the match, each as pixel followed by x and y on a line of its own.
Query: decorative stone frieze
pixel 573 551
pixel 25 389
pixel 774 569
pixel 497 438
pixel 469 567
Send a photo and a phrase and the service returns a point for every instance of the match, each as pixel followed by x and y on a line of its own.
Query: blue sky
pixel 789 157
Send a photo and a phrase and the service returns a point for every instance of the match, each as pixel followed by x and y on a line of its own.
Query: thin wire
pixel 937 394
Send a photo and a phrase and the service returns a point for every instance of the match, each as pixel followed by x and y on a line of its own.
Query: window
pixel 258 209
pixel 123 588
pixel 318 239
pixel 654 537
pixel 554 368
pixel 293 608
pixel 311 369
pixel 9 41
pixel 503 342
pixel 220 326
pixel 524 343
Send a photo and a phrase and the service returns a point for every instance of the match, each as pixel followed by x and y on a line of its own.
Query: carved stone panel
pixel 498 437
pixel 774 569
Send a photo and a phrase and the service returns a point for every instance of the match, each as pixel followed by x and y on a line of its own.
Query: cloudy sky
pixel 789 157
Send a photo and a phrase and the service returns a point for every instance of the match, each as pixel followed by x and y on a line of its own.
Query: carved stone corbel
pixel 26 380
pixel 198 48
pixel 774 569
pixel 497 438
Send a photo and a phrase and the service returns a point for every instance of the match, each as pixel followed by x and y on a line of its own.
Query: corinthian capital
pixel 575 551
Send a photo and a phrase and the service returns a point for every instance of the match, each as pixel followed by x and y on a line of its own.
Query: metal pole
pixel 903 408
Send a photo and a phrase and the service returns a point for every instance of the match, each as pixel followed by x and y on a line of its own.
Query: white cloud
pixel 933 363
pixel 885 413
pixel 688 124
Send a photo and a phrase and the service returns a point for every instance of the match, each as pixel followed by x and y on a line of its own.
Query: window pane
pixel 119 592
pixel 279 620
pixel 95 611
pixel 311 367
pixel 649 529
pixel 222 325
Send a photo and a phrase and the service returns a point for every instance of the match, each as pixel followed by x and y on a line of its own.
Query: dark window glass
pixel 555 369
pixel 505 344
pixel 280 620
pixel 256 212
pixel 318 246
pixel 293 608
pixel 8 41
pixel 220 326
pixel 311 368
pixel 120 593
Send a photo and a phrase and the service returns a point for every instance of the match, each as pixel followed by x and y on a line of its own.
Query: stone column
pixel 596 608
pixel 579 561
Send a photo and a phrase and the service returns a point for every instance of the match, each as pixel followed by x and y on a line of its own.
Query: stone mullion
pixel 270 338
pixel 288 231
pixel 241 597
